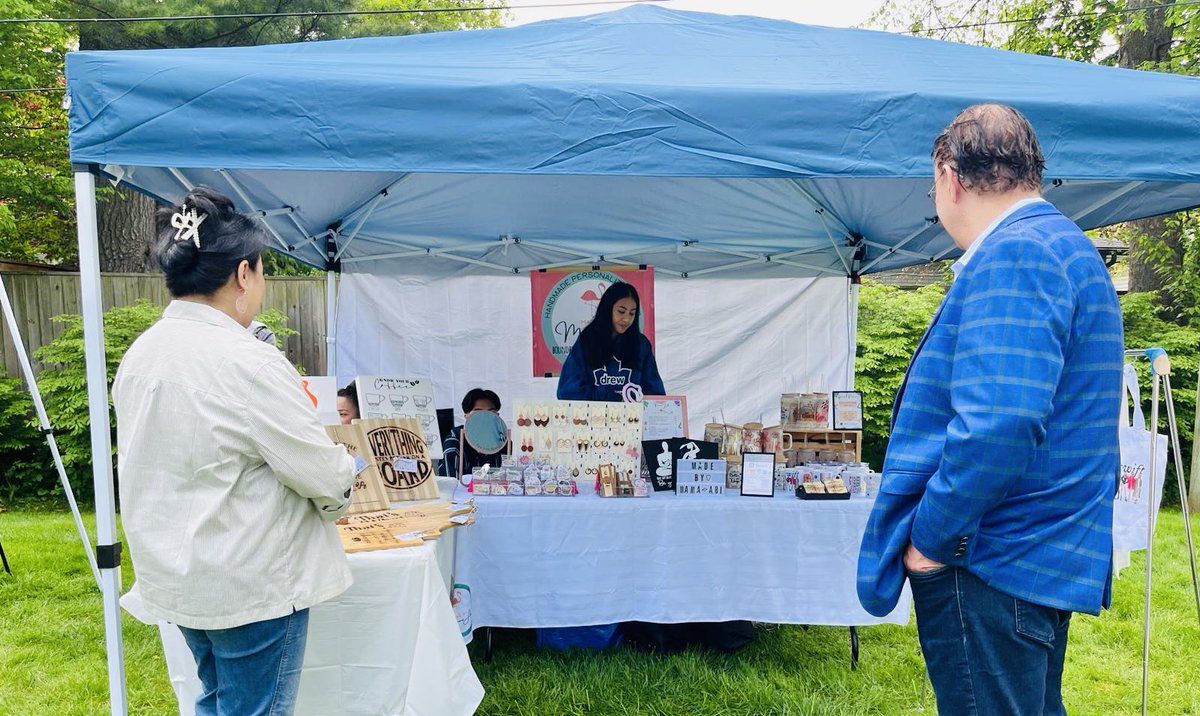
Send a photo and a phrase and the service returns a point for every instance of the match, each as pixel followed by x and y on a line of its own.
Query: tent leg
pixel 44 423
pixel 108 549
pixel 331 323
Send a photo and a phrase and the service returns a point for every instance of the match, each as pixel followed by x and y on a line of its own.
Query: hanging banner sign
pixel 564 302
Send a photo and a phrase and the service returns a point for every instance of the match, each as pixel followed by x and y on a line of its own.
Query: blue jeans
pixel 250 670
pixel 988 652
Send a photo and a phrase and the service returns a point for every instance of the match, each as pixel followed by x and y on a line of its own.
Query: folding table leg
pixel 4 559
pixel 487 644
pixel 853 648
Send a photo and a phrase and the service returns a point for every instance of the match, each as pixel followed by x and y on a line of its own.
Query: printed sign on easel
pixel 384 397
pixel 399 451
pixel 369 495
pixel 664 417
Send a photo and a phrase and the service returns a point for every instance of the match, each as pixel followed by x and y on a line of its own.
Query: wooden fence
pixel 37 297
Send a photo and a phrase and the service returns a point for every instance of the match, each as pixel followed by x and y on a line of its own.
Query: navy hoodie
pixel 579 381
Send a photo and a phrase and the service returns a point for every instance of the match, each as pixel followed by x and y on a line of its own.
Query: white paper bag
pixel 1133 490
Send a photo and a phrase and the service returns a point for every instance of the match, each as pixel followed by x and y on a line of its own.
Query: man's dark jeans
pixel 987 652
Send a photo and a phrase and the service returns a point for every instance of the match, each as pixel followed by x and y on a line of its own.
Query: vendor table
pixel 389 645
pixel 571 561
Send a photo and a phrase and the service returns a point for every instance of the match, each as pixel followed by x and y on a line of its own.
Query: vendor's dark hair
pixel 227 238
pixel 992 147
pixel 597 337
pixel 474 395
pixel 350 392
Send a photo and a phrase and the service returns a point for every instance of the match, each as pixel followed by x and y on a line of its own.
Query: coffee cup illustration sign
pixel 565 302
pixel 398 448
pixel 392 397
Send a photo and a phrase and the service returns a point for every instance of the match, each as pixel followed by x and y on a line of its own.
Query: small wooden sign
pixel 407 527
pixel 369 495
pixel 398 448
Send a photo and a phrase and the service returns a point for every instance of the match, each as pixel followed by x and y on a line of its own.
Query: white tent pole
pixel 108 549
pixel 331 323
pixel 44 424
pixel 852 329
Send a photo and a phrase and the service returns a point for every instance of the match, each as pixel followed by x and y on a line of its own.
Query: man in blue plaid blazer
pixel 996 500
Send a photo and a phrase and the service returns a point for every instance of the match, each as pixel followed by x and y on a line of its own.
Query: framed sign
pixel 664 417
pixel 381 397
pixel 758 474
pixel 847 410
pixel 564 301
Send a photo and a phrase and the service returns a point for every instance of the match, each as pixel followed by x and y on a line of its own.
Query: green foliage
pixel 890 324
pixel 24 458
pixel 277 264
pixel 1145 328
pixel 264 30
pixel 276 320
pixel 36 210
pixel 63 382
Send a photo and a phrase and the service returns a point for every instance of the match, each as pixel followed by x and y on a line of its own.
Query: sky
pixel 842 13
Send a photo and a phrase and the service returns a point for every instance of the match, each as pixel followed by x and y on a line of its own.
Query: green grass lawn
pixel 52 652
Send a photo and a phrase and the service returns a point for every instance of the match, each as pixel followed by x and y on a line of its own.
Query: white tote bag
pixel 1133 490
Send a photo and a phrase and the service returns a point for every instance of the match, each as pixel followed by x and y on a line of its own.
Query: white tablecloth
pixel 390 645
pixel 572 561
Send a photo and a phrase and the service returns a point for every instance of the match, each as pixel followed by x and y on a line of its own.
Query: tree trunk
pixel 126 220
pixel 1137 47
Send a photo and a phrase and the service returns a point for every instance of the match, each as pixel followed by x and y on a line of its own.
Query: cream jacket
pixel 228 482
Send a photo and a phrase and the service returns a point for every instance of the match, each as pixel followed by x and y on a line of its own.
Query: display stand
pixel 826 441
pixel 1160 373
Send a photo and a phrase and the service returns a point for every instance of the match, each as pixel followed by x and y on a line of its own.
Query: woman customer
pixel 475 399
pixel 228 480
pixel 611 352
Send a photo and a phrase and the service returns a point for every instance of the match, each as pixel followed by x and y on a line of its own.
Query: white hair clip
pixel 187 225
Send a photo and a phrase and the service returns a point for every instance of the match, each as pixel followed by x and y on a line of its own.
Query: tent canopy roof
pixel 691 141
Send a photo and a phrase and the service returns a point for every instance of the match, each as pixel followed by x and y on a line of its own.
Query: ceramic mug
pixel 752 437
pixel 775 440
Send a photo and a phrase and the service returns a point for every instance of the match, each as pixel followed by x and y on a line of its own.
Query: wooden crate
pixel 827 441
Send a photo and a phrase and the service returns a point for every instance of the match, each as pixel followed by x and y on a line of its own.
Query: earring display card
pixel 381 397
pixel 581 436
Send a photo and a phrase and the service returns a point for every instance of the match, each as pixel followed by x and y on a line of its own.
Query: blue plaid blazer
pixel 1003 456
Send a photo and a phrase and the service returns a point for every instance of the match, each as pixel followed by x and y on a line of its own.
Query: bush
pixel 1145 329
pixel 25 466
pixel 890 324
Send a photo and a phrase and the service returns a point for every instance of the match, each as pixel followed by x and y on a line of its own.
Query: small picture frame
pixel 847 410
pixel 758 474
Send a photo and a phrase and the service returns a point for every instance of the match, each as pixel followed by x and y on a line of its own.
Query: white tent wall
pixel 731 345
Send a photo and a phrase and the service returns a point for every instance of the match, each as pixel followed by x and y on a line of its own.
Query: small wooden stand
pixel 827 442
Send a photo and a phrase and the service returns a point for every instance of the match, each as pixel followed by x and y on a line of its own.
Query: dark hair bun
pixel 226 238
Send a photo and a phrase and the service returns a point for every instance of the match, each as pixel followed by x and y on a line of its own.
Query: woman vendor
pixel 475 399
pixel 611 352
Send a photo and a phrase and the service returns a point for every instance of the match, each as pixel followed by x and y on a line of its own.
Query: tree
pixel 36 211
pixel 36 194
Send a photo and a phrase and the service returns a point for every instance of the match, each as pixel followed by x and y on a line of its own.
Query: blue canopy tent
pixel 701 144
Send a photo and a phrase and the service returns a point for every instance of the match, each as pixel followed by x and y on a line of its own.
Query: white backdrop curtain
pixel 732 346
